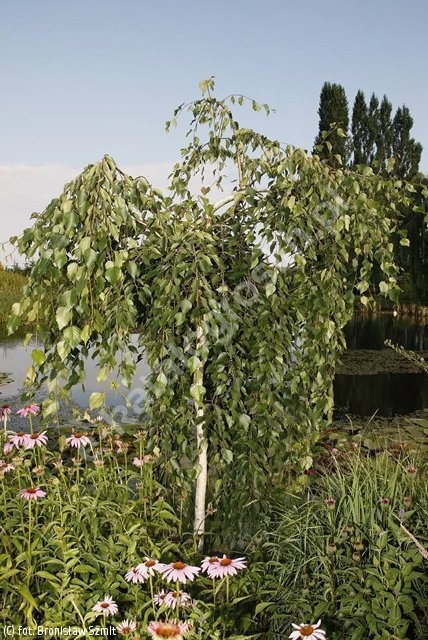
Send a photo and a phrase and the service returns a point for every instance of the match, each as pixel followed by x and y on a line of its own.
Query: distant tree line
pixel 377 138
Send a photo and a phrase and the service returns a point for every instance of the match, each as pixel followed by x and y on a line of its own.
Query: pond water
pixel 389 393
pixel 15 358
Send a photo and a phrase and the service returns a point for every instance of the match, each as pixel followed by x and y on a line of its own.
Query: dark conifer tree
pixel 406 151
pixel 359 130
pixel 372 129
pixel 333 109
pixel 384 135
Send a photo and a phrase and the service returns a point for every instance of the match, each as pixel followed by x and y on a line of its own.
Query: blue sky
pixel 88 77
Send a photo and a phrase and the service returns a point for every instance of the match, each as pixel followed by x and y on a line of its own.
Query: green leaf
pixel 96 400
pixel 270 289
pixel 227 455
pixel 383 287
pixel 72 336
pixel 48 576
pixel 194 363
pixel 16 309
pixel 197 391
pixel 38 357
pixel 244 421
pixel 72 270
pixel 185 305
pixel 63 316
pixel 24 591
pixel 50 407
pixel 113 274
pixel 63 349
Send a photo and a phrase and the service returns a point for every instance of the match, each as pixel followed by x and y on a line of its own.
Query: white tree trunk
pixel 202 448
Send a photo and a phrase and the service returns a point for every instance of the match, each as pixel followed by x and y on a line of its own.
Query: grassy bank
pixel 11 284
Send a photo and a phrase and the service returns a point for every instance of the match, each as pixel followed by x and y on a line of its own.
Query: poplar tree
pixel 334 119
pixel 406 151
pixel 384 135
pixel 372 128
pixel 359 130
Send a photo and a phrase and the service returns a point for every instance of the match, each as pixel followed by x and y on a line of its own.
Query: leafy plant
pixel 240 302
pixel 341 552
pixel 84 515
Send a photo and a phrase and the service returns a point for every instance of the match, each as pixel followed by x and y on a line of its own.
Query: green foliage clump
pixel 98 515
pixel 240 300
pixel 351 551
pixel 11 286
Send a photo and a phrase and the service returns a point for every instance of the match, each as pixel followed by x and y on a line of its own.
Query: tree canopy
pixel 240 300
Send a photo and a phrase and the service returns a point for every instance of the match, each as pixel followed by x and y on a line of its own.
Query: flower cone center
pixel 168 631
pixel 31 490
pixel 225 562
pixel 179 565
pixel 306 630
pixel 150 563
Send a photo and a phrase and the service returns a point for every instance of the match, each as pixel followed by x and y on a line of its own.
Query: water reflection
pixel 388 393
pixel 370 332
pixel 392 393
pixel 15 359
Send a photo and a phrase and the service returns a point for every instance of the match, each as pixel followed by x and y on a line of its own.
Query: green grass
pixel 11 285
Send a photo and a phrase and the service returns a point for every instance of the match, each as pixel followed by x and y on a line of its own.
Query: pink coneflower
pixel 384 502
pixel 107 607
pixel 32 493
pixel 226 567
pixel 176 599
pixel 307 631
pixel 6 467
pixel 407 501
pixel 179 571
pixel 17 440
pixel 134 576
pixel 29 409
pixel 35 439
pixel 138 462
pixel 149 567
pixel 78 440
pixel 168 629
pixel 126 627
pixel 208 562
pixel 159 598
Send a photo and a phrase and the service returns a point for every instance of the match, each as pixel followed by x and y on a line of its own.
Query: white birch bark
pixel 202 448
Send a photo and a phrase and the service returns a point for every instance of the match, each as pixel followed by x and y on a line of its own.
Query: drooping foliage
pixel 240 302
